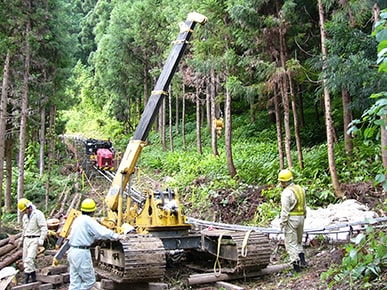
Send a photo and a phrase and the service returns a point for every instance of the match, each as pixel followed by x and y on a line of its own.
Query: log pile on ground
pixel 9 251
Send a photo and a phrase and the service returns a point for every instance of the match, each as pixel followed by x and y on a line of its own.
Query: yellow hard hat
pixel 88 205
pixel 285 175
pixel 23 203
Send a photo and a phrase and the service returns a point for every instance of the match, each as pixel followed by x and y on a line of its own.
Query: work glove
pixel 122 237
pixel 40 242
pixel 55 262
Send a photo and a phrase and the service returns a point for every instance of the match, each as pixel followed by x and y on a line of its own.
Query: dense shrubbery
pixel 363 263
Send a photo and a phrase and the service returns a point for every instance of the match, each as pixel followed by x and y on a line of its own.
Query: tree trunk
pixel 42 138
pixel 295 122
pixel 346 98
pixel 183 120
pixel 177 115
pixel 23 117
pixel 162 125
pixel 228 135
pixel 3 120
pixel 301 108
pixel 198 130
pixel 285 96
pixel 170 118
pixel 214 143
pixel 9 206
pixel 328 115
pixel 145 93
pixel 278 122
pixel 252 112
pixel 209 90
pixel 51 149
pixel 42 133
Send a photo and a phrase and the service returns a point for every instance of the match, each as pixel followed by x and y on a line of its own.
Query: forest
pixel 264 85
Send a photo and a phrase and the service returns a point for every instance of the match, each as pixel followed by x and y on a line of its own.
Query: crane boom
pixel 127 166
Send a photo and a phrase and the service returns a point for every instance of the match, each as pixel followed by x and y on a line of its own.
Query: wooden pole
pixel 211 277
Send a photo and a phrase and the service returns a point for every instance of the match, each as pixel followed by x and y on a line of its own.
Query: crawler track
pixel 252 255
pixel 138 259
pixel 237 252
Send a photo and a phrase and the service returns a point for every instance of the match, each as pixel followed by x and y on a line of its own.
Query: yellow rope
pixel 244 245
pixel 217 263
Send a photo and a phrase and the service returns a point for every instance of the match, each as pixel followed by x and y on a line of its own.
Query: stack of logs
pixel 9 252
pixel 48 278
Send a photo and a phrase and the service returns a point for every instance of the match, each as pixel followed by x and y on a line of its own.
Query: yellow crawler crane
pixel 160 226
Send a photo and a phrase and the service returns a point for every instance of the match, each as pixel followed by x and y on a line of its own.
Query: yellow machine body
pixel 161 211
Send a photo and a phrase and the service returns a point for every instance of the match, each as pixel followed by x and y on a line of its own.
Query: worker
pixel 293 213
pixel 84 231
pixel 218 124
pixel 33 235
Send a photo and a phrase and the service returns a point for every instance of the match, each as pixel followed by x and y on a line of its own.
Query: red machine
pixel 100 153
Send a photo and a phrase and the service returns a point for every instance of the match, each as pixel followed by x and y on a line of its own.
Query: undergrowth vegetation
pixel 363 264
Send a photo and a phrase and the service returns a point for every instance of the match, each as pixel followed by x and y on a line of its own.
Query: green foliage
pixel 9 217
pixel 364 261
pixel 265 213
pixel 269 210
pixel 380 34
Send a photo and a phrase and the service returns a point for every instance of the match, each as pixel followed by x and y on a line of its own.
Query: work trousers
pixel 82 275
pixel 294 230
pixel 30 250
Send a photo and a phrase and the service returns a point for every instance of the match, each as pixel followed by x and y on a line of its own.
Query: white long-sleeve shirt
pixel 35 225
pixel 85 230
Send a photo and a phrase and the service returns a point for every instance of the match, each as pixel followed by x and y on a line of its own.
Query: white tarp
pixel 346 216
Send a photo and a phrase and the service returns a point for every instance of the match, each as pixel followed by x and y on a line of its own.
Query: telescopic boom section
pixel 134 148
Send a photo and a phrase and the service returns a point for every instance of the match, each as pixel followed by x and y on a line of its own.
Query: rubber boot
pixel 296 266
pixel 303 263
pixel 33 276
pixel 26 277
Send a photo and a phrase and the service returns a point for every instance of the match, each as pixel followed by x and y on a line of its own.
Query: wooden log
pixel 6 249
pixel 53 279
pixel 157 286
pixel 29 286
pixel 11 258
pixel 53 270
pixel 106 284
pixel 58 201
pixel 227 286
pixel 211 277
pixel 97 286
pixel 46 287
pixel 10 239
